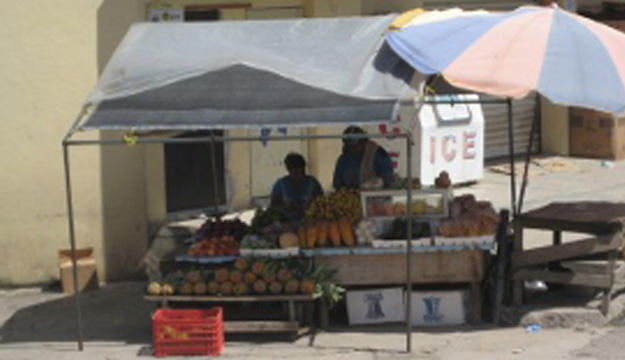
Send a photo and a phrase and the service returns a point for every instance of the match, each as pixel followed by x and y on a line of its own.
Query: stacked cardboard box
pixel 86 265
pixel 596 134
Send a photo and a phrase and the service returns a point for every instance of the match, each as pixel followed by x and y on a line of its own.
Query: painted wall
pixel 52 51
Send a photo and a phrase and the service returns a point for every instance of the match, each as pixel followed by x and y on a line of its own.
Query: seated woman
pixel 292 193
pixel 363 162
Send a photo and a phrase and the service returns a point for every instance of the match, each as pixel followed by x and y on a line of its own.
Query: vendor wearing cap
pixel 362 163
pixel 292 193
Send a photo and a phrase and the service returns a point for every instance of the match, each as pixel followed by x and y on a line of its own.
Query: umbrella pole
pixel 530 145
pixel 72 242
pixel 511 158
pixel 409 244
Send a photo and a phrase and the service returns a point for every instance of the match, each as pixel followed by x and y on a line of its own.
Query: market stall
pixel 204 82
pixel 347 239
pixel 173 94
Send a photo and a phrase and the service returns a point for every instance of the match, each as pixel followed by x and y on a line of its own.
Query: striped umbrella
pixel 567 58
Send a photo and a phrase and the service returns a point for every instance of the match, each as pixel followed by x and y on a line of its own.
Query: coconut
pixel 167 289
pixel 154 288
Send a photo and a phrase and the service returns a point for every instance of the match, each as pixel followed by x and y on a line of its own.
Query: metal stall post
pixel 409 243
pixel 214 170
pixel 72 242
pixel 528 156
pixel 511 158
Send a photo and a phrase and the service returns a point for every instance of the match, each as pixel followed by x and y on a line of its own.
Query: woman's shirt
pixel 295 200
pixel 347 170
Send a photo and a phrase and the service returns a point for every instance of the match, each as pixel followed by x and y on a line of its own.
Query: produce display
pixel 336 220
pixel 399 229
pixel 218 237
pixel 396 206
pixel 469 217
pixel 250 276
pixel 341 204
pixel 330 220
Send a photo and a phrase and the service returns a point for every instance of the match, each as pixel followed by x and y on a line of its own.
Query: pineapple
pixel 250 277
pixel 186 288
pixel 193 276
pixel 307 286
pixel 212 287
pixel 199 288
pixel 269 276
pixel 284 275
pixel 241 288
pixel 291 286
pixel 258 268
pixel 241 264
pixel 260 287
pixel 275 288
pixel 222 275
pixel 225 288
pixel 236 276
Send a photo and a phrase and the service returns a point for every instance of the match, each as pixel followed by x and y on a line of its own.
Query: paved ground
pixel 38 324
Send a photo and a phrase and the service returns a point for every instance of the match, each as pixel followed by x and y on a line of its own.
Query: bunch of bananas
pixel 342 204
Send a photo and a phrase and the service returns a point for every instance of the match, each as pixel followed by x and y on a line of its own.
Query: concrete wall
pixel 53 52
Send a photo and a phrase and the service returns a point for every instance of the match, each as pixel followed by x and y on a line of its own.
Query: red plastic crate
pixel 188 332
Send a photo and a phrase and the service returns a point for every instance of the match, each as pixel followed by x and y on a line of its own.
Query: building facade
pixel 54 52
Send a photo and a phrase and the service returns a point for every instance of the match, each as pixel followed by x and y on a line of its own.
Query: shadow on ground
pixel 116 312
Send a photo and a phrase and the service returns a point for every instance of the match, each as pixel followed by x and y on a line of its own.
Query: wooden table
pixel 290 325
pixel 602 219
pixel 461 266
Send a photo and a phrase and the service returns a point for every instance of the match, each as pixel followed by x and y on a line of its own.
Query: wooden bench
pixel 602 219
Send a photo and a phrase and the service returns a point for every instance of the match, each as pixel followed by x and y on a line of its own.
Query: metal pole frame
pixel 72 241
pixel 68 141
pixel 528 156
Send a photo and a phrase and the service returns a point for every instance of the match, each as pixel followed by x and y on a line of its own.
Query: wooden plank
pixel 192 298
pixel 566 251
pixel 599 281
pixel 588 217
pixel 438 267
pixel 260 326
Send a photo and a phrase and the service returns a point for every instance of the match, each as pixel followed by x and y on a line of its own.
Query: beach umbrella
pixel 567 58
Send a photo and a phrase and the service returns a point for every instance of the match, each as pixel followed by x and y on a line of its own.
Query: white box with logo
pixel 375 306
pixel 439 308
pixel 447 137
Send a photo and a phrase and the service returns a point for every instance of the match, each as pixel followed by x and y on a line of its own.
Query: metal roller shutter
pixel 496 127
